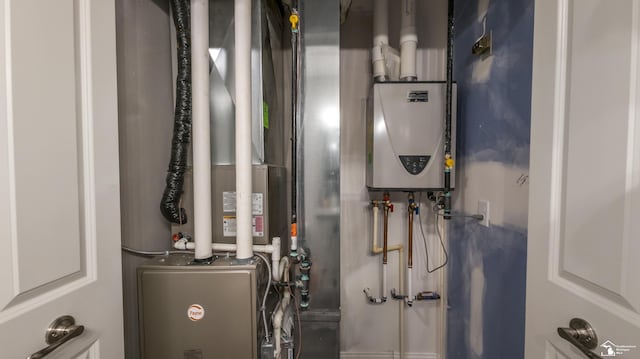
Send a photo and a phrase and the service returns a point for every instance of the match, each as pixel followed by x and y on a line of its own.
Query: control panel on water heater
pixel 405 135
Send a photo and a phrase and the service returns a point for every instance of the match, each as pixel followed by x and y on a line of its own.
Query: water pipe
pixel 412 208
pixel 278 315
pixel 387 207
pixel 305 278
pixel 386 203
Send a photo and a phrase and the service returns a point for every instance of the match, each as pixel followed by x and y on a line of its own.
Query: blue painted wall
pixel 502 252
pixel 493 127
pixel 494 115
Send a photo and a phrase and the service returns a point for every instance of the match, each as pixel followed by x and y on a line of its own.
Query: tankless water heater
pixel 405 136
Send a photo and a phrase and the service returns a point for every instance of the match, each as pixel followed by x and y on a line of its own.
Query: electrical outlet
pixel 483 209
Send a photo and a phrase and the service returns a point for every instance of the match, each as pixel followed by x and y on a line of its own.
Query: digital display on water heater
pixel 414 164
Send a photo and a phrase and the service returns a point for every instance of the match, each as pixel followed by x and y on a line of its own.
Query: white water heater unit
pixel 405 136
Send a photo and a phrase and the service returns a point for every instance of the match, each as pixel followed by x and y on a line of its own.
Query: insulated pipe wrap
pixel 170 204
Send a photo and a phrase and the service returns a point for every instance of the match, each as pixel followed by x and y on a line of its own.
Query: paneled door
pixel 59 185
pixel 584 205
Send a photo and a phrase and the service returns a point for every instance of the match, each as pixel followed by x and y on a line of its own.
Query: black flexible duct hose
pixel 170 204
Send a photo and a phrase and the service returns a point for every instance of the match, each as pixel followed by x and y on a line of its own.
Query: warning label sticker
pixel 229 203
pixel 229 226
pixel 258 226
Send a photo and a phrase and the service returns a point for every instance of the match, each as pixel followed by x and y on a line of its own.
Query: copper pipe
pixel 385 246
pixel 410 251
pixel 411 208
pixel 387 206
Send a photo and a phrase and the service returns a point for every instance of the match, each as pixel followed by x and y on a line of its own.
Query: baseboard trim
pixel 387 355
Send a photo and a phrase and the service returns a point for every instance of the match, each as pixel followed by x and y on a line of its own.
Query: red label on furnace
pixel 258 224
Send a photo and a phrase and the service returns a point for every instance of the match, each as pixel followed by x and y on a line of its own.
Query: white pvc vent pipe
pixel 244 222
pixel 201 128
pixel 274 248
pixel 408 41
pixel 380 39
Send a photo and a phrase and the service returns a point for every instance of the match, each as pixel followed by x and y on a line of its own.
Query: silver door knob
pixel 582 335
pixel 59 332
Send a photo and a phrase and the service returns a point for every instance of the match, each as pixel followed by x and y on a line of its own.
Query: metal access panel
pixel 267 85
pixel 199 311
pixel 405 136
pixel 269 204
